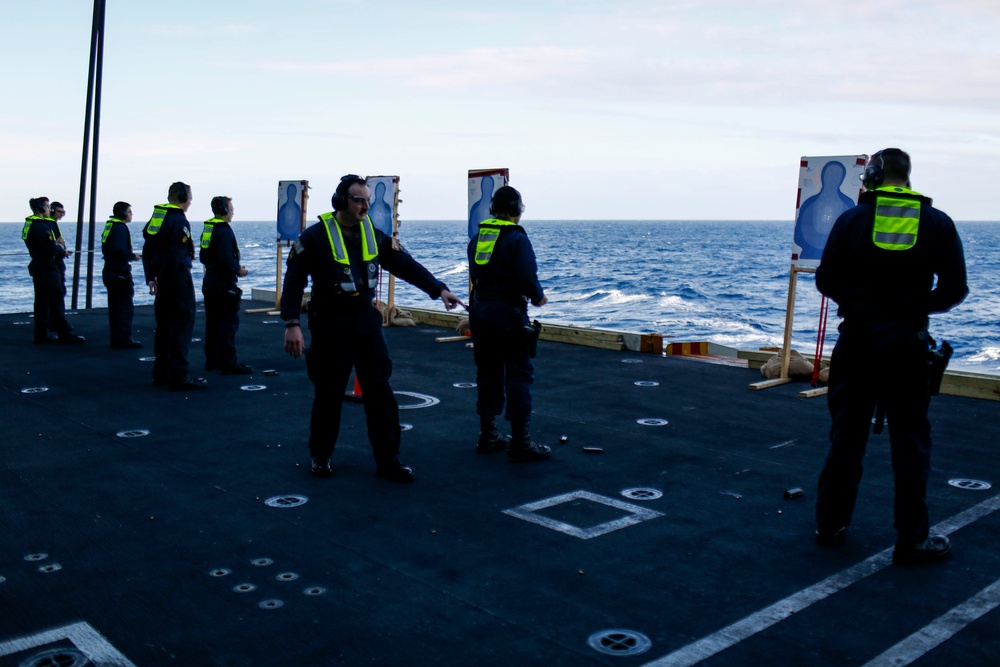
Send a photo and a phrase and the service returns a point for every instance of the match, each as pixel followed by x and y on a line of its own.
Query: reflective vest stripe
pixel 897 220
pixel 206 234
pixel 159 212
pixel 489 232
pixel 107 229
pixel 369 250
pixel 27 225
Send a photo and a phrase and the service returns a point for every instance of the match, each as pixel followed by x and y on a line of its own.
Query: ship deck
pixel 145 527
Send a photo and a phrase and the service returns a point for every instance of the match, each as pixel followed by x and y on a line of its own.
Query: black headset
pixel 874 173
pixel 221 202
pixel 339 199
pixel 511 208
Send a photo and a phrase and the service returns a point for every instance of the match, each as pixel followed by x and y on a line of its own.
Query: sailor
pixel 504 279
pixel 116 247
pixel 56 213
pixel 167 255
pixel 889 262
pixel 221 256
pixel 47 269
pixel 343 254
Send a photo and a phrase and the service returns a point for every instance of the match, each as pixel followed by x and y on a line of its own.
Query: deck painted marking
pixel 940 630
pixel 786 443
pixel 635 515
pixel 733 634
pixel 85 638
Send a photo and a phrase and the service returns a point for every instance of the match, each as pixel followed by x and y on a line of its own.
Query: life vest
pixel 489 232
pixel 206 234
pixel 159 212
pixel 369 252
pixel 897 218
pixel 27 225
pixel 107 229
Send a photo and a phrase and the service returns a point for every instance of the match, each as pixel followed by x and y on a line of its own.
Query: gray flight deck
pixel 144 527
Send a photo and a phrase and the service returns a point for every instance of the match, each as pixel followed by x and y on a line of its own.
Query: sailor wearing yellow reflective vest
pixel 116 247
pixel 167 255
pixel 504 279
pixel 889 263
pixel 48 250
pixel 220 253
pixel 343 254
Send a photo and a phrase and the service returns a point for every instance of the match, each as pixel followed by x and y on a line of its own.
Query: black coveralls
pixel 345 332
pixel 498 315
pixel 222 297
pixel 117 276
pixel 47 270
pixel 167 257
pixel 885 297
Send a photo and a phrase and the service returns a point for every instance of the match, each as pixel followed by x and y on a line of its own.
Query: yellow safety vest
pixel 159 212
pixel 489 232
pixel 107 229
pixel 897 219
pixel 206 234
pixel 369 251
pixel 27 225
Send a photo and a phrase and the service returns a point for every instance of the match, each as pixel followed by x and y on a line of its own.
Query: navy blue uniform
pixel 498 315
pixel 346 331
pixel 885 297
pixel 117 275
pixel 167 256
pixel 222 297
pixel 47 268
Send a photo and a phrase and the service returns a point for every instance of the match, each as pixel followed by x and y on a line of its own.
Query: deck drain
pixel 18 324
pixel 57 657
pixel 642 494
pixel 314 590
pixel 619 642
pixel 425 401
pixel 287 576
pixel 244 588
pixel 262 562
pixel 970 484
pixel 286 501
pixel 270 604
pixel 147 358
pixel 652 421
pixel 631 361
pixel 220 572
pixel 405 427
pixel 133 433
pixel 253 387
pixel 464 385
pixel 31 558
pixel 646 383
pixel 34 390
pixel 51 567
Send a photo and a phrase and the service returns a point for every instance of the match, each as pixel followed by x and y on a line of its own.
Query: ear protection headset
pixel 507 201
pixel 220 205
pixel 339 199
pixel 874 174
pixel 180 191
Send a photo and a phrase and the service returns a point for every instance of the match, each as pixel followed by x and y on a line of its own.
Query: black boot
pixel 522 449
pixel 490 439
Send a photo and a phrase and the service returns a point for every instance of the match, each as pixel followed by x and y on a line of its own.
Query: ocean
pixel 719 281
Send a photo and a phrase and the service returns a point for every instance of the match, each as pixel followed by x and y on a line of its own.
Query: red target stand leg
pixel 353 391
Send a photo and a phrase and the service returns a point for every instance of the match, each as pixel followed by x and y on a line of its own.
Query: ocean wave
pixel 986 355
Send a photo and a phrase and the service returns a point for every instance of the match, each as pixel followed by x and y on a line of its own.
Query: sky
pixel 618 109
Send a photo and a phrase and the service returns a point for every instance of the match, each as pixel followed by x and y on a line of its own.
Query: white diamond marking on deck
pixel 635 515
